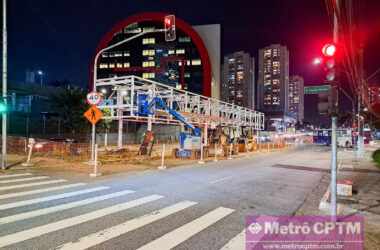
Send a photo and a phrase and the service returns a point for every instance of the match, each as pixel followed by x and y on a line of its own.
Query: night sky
pixel 60 37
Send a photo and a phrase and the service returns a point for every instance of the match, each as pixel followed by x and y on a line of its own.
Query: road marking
pixel 38 191
pixel 179 235
pixel 49 210
pixel 118 230
pixel 236 243
pixel 76 220
pixel 50 198
pixel 32 184
pixel 13 175
pixel 25 179
pixel 221 179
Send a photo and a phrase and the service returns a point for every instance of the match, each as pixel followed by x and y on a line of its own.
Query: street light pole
pixel 4 120
pixel 95 74
pixel 334 151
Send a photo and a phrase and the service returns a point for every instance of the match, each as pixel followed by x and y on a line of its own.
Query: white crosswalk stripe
pixel 236 243
pixel 14 175
pixel 25 179
pixel 39 191
pixel 49 210
pixel 50 198
pixel 14 238
pixel 116 231
pixel 181 234
pixel 32 184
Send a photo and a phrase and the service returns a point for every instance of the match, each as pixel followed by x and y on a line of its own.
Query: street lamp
pixel 317 61
pixel 41 74
pixel 95 74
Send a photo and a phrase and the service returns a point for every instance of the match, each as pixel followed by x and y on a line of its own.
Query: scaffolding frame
pixel 120 97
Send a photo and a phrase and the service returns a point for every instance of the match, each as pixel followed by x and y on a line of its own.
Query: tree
pixel 70 104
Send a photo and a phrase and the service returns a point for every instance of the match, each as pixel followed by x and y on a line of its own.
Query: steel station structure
pixel 204 112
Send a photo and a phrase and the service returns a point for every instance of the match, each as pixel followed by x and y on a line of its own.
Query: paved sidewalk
pixel 366 198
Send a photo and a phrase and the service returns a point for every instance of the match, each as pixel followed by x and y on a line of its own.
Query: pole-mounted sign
pixel 93 114
pixel 94 98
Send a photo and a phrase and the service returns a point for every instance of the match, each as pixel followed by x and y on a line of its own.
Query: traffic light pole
pixel 4 115
pixel 93 136
pixel 334 151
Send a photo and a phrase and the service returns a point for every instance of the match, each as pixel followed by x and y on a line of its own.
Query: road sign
pixel 312 90
pixel 93 114
pixel 94 98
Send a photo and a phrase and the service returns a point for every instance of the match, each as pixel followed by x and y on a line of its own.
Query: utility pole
pixel 4 121
pixel 334 151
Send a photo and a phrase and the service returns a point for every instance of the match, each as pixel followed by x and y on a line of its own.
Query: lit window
pixel 127 53
pixel 148 52
pixel 111 66
pixel 187 75
pixel 196 62
pixel 103 66
pixel 150 40
pixel 127 65
pixel 267 53
pixel 148 29
pixel 276 82
pixel 240 75
pixel 184 39
pixel 119 65
pixel 148 75
pixel 180 51
pixel 171 52
pixel 104 54
pixel 148 64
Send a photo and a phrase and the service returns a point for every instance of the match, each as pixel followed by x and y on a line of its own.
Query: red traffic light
pixel 168 21
pixel 329 50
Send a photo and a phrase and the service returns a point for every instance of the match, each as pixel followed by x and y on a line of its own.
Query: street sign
pixel 94 98
pixel 312 90
pixel 93 114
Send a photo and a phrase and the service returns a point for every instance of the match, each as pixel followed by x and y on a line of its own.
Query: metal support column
pixel 4 121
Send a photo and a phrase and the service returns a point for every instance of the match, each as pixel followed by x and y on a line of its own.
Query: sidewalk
pixel 366 196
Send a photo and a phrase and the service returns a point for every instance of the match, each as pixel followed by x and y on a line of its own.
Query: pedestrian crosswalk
pixel 31 199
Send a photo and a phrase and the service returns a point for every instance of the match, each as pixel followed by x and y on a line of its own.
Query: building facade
pixel 296 98
pixel 183 63
pixel 238 83
pixel 273 85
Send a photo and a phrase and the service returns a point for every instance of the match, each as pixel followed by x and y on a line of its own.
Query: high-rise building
pixel 273 85
pixel 238 84
pixel 296 98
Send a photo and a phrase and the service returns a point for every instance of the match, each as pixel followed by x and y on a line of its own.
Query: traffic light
pixel 3 107
pixel 329 51
pixel 169 24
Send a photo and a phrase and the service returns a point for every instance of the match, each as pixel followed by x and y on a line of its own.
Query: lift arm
pixel 161 104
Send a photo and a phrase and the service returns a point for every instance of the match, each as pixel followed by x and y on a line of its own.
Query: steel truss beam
pixel 121 99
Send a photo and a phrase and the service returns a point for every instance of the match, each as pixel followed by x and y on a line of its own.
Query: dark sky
pixel 60 36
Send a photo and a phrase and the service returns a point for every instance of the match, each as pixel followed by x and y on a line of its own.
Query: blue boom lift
pixel 145 108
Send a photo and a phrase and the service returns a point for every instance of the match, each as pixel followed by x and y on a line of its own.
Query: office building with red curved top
pixel 183 63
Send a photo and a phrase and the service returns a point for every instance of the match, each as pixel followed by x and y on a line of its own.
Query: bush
pixel 376 157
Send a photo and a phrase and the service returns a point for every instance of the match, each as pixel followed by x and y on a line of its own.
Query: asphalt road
pixel 191 207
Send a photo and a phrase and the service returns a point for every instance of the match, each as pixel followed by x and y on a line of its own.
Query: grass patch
pixel 376 157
